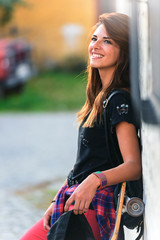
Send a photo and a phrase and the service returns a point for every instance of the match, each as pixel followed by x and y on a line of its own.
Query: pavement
pixel 34 148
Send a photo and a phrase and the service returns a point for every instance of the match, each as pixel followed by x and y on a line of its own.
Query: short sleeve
pixel 120 109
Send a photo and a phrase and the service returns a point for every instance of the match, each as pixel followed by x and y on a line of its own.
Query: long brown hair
pixel 117 26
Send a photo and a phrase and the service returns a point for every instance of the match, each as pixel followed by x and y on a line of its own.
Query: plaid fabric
pixel 102 203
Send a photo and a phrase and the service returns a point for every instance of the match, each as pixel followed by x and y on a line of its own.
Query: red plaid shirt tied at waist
pixel 103 204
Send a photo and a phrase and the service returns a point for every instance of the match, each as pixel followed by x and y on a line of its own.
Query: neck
pixel 106 76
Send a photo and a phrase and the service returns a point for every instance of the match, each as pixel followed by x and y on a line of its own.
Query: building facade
pixel 55 29
pixel 145 73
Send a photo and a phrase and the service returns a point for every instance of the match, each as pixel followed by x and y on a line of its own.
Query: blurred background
pixel 43 60
pixel 43 45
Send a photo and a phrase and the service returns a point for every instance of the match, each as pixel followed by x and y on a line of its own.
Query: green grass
pixel 48 91
pixel 40 195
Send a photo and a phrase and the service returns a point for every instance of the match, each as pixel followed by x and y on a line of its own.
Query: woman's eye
pixel 108 42
pixel 94 39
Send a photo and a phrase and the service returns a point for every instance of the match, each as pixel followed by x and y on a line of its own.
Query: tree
pixel 7 9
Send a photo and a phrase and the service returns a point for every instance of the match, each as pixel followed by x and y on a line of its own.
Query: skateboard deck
pixel 119 212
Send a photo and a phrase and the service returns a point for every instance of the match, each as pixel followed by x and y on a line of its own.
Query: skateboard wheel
pixel 135 207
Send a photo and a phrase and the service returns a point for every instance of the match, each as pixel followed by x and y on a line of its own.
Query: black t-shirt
pixel 93 147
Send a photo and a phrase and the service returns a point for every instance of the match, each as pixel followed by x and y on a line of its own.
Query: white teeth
pixel 96 55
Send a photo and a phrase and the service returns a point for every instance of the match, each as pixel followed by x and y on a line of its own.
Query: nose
pixel 96 45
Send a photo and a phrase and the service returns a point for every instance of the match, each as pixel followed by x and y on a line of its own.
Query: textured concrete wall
pixel 147 41
pixel 150 133
pixel 151 175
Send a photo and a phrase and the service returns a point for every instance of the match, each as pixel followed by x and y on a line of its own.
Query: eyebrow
pixel 103 37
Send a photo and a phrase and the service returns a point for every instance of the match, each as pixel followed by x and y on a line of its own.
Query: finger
pixel 76 206
pixel 47 227
pixel 81 207
pixel 86 206
pixel 68 203
pixel 46 222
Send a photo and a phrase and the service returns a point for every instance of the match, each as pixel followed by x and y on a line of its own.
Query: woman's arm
pixel 129 147
pixel 129 170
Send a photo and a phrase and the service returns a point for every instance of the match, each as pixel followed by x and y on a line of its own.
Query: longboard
pixel 119 212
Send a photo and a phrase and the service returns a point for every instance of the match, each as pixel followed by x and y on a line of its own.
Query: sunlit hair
pixel 117 27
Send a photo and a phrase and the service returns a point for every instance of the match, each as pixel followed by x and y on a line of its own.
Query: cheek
pixel 90 48
pixel 114 54
pixel 117 52
pixel 110 53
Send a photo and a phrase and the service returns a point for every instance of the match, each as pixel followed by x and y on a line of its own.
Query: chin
pixel 93 65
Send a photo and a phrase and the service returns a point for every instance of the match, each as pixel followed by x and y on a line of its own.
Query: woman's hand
pixel 83 195
pixel 47 217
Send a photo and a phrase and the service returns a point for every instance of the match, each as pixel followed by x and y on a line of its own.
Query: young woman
pixel 108 69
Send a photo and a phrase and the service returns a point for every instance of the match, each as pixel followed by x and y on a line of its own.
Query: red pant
pixel 37 232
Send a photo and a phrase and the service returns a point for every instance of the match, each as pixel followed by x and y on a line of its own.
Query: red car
pixel 15 63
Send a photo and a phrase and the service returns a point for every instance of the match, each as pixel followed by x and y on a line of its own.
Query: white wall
pixel 151 175
pixel 150 133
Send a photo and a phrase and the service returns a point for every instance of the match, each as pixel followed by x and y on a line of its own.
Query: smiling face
pixel 103 51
